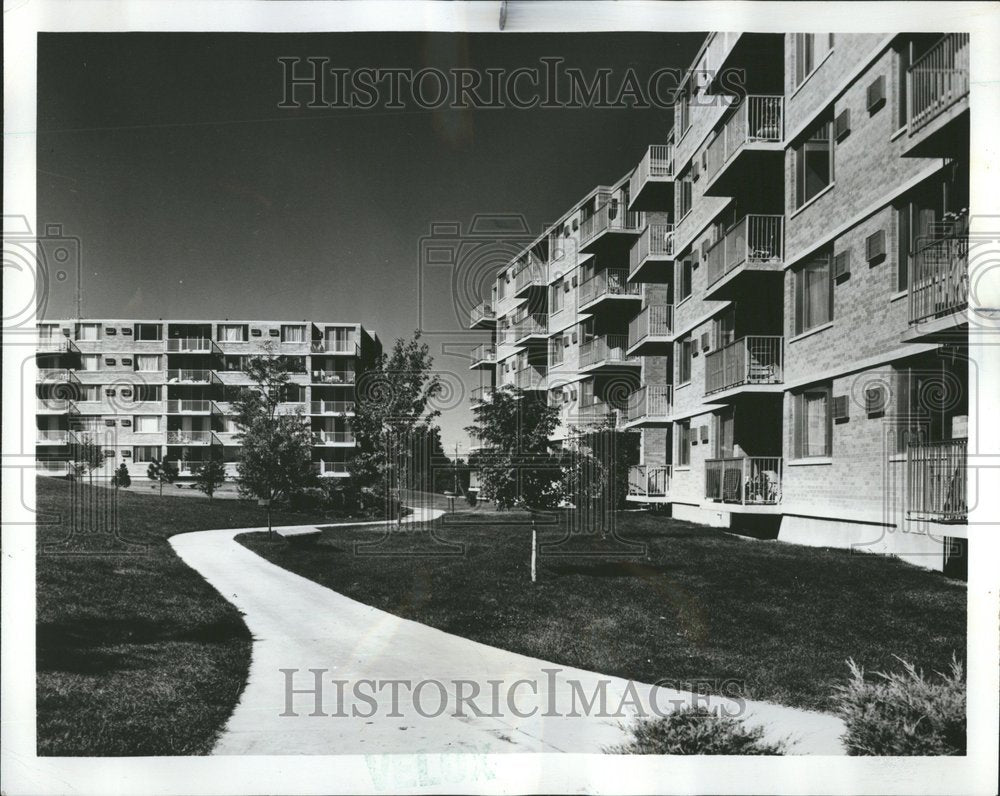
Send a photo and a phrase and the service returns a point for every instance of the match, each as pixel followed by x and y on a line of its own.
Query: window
pixel 90 362
pixel 47 332
pixel 88 331
pixel 812 418
pixel 685 274
pixel 502 286
pixel 682 198
pixel 232 333
pixel 145 453
pixel 148 331
pixel 556 296
pixel 810 50
pixel 682 111
pixel 919 221
pixel 293 334
pixel 814 163
pixel 684 443
pixel 813 294
pixel 685 349
pixel 147 362
pixel 90 392
pixel 147 392
pixel 147 424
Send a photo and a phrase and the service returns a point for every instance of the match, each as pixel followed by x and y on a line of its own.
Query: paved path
pixel 300 625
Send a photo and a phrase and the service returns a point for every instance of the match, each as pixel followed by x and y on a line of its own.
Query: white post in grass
pixel 534 551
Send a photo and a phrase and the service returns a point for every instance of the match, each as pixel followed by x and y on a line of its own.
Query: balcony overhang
pixel 732 394
pixel 652 345
pixel 653 192
pixel 610 301
pixel 746 279
pixel 648 498
pixel 648 421
pixel 613 365
pixel 951 328
pixel 483 364
pixel 754 164
pixel 656 269
pixel 946 135
pixel 611 238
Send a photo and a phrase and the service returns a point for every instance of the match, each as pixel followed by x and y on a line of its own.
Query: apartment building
pixel 164 389
pixel 795 297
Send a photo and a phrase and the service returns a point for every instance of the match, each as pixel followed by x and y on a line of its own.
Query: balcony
pixel 754 245
pixel 937 101
pixel 533 274
pixel 531 327
pixel 342 438
pixel 531 377
pixel 332 377
pixel 484 356
pixel 650 405
pixel 331 469
pixel 51 437
pixel 610 286
pixel 939 282
pixel 482 394
pixel 187 376
pixel 936 481
pixel 331 407
pixel 483 316
pixel 750 364
pixel 53 406
pixel 334 347
pixel 52 468
pixel 55 375
pixel 645 482
pixel 651 186
pixel 744 480
pixel 53 345
pixel 180 437
pixel 189 407
pixel 749 146
pixel 607 351
pixel 594 415
pixel 652 257
pixel 610 225
pixel 649 333
pixel 190 345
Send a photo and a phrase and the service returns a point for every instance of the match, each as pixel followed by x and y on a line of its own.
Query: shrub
pixel 903 713
pixel 311 499
pixel 470 498
pixel 121 477
pixel 696 731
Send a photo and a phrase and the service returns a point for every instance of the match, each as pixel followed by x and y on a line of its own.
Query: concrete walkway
pixel 300 625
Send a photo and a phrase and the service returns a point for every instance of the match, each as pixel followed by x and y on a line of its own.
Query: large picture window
pixel 812 418
pixel 814 163
pixel 813 294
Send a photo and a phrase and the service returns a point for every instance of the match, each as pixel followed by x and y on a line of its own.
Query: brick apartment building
pixel 163 389
pixel 775 297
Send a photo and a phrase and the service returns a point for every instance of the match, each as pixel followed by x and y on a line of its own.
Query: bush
pixel 696 731
pixel 904 713
pixel 470 498
pixel 312 499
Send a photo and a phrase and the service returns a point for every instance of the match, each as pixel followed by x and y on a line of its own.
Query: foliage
pixel 587 475
pixel 471 498
pixel 87 456
pixel 516 465
pixel 121 477
pixel 209 476
pixel 904 713
pixel 276 454
pixel 694 730
pixel 393 423
pixel 163 472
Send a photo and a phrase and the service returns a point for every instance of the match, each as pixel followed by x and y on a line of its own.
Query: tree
pixel 392 420
pixel 209 476
pixel 597 451
pixel 87 456
pixel 163 471
pixel 276 454
pixel 121 478
pixel 516 464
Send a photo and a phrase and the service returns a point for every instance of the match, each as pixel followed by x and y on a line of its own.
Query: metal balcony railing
pixel 191 345
pixel 750 360
pixel 936 477
pixel 607 350
pixel 532 324
pixel 180 437
pixel 333 347
pixel 334 438
pixel 330 468
pixel 937 80
pixel 51 437
pixel 939 279
pixel 656 163
pixel 530 378
pixel 533 273
pixel 753 240
pixel 654 321
pixel 758 119
pixel 656 240
pixel 53 405
pixel 52 467
pixel 483 312
pixel 482 394
pixel 610 216
pixel 649 481
pixel 610 282
pixel 597 414
pixel 748 480
pixel 484 353
pixel 185 406
pixel 651 400
pixel 333 376
pixel 189 376
pixel 53 345
pixel 331 407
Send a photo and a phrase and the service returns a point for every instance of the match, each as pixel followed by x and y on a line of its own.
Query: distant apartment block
pixel 775 297
pixel 164 389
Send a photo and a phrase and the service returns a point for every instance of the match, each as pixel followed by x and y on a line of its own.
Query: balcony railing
pixel 753 240
pixel 330 468
pixel 484 353
pixel 607 350
pixel 533 273
pixel 611 216
pixel 649 481
pixel 939 283
pixel 333 376
pixel 657 163
pixel 749 360
pixel 53 405
pixel 758 119
pixel 52 467
pixel 657 240
pixel 333 438
pixel 651 400
pixel 748 480
pixel 654 321
pixel 530 378
pixel 179 437
pixel 482 394
pixel 188 406
pixel 55 374
pixel 532 324
pixel 610 282
pixel 331 407
pixel 53 345
pixel 51 437
pixel 483 312
pixel 937 80
pixel 190 345
pixel 189 376
pixel 936 474
pixel 333 347
pixel 595 414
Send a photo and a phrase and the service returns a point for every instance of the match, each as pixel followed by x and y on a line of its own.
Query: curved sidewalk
pixel 300 625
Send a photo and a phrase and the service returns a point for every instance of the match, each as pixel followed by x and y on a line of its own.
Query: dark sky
pixel 193 195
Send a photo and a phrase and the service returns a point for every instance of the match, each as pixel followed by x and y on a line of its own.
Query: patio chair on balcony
pixel 731 478
pixel 762 487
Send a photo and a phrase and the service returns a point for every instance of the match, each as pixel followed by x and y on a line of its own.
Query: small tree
pixel 87 457
pixel 121 478
pixel 163 471
pixel 209 476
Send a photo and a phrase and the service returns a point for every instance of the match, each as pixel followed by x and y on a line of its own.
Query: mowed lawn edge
pixel 136 653
pixel 702 609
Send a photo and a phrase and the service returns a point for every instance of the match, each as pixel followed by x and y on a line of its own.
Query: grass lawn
pixel 137 654
pixel 702 605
